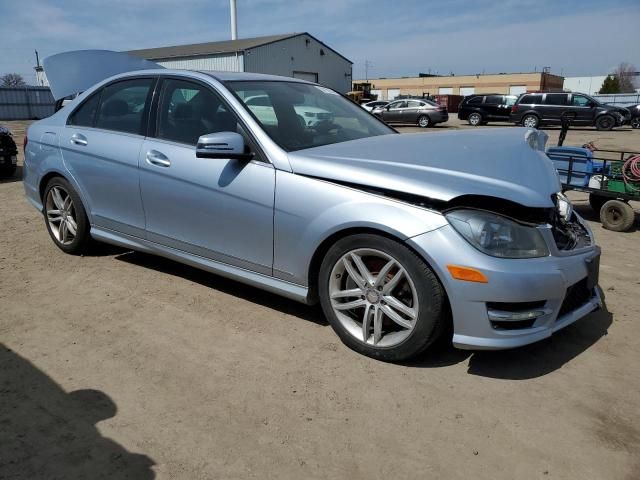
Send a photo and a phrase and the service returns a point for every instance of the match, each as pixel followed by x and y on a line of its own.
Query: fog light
pixel 501 315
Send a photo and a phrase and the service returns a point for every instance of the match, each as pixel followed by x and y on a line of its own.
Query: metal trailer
pixel 611 192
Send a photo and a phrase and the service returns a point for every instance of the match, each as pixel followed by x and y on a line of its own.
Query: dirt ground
pixel 122 365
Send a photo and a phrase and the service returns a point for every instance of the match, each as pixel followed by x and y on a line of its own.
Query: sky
pixel 396 37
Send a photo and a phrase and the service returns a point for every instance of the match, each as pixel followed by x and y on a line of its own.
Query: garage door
pixel 377 93
pixel 464 91
pixel 517 89
pixel 392 93
pixel 308 76
pixel 445 91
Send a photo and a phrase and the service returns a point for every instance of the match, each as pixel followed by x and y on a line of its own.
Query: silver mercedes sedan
pixel 401 238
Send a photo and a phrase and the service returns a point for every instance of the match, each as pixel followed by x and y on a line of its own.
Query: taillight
pixel 514 108
pixel 24 144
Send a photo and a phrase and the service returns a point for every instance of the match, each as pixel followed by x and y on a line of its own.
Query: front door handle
pixel 158 159
pixel 79 139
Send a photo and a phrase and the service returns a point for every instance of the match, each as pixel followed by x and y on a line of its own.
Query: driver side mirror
pixel 387 108
pixel 226 145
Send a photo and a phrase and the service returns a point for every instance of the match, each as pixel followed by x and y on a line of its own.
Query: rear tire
pixel 357 308
pixel 617 216
pixel 597 201
pixel 65 217
pixel 475 119
pixel 424 121
pixel 605 122
pixel 8 171
pixel 530 121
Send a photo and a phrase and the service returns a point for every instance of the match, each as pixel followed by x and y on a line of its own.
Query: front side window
pixel 414 104
pixel 85 115
pixel 580 101
pixel 123 105
pixel 475 100
pixel 299 115
pixel 188 110
pixel 400 104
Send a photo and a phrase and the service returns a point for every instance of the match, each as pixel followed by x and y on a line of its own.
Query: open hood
pixel 74 72
pixel 507 163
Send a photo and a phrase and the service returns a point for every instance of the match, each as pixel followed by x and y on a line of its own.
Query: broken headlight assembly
pixel 498 236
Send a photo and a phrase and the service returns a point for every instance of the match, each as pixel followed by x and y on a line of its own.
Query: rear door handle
pixel 158 159
pixel 79 139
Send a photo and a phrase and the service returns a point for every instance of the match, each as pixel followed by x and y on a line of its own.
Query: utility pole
pixel 367 64
pixel 234 20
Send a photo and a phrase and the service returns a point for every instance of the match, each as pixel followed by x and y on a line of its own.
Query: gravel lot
pixel 123 365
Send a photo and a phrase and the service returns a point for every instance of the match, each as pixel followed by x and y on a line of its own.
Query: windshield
pixel 299 115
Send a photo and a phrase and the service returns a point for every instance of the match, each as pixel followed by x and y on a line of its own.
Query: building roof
pixel 212 48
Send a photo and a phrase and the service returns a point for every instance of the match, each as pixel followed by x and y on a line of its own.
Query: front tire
pixel 475 119
pixel 605 122
pixel 381 299
pixel 424 121
pixel 635 122
pixel 65 216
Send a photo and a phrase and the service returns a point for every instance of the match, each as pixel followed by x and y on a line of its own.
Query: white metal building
pixel 298 55
pixel 588 85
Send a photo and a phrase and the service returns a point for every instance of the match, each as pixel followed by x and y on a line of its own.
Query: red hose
pixel 631 172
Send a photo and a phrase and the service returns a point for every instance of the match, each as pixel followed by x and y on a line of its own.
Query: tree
pixel 625 73
pixel 12 80
pixel 610 85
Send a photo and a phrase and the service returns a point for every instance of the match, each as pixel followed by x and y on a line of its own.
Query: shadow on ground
pixel 531 361
pixel 231 287
pixel 46 433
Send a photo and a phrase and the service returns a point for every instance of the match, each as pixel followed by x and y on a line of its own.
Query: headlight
pixel 498 236
pixel 565 208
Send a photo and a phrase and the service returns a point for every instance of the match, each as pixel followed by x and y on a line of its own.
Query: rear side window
pixel 531 99
pixel 85 115
pixel 475 100
pixel 555 99
pixel 123 105
pixel 494 99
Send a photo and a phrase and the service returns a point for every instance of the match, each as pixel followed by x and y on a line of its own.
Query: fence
pixel 25 103
pixel 619 99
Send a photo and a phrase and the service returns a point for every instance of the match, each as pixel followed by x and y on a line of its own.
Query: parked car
pixel 485 108
pixel 8 153
pixel 369 106
pixel 634 116
pixel 423 113
pixel 400 237
pixel 535 109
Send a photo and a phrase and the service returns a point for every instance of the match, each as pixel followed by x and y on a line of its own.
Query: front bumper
pixel 547 282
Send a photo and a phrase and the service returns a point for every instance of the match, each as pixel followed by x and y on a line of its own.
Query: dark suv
pixel 488 107
pixel 535 109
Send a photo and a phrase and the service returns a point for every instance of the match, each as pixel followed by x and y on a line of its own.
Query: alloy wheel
pixel 374 297
pixel 423 121
pixel 635 122
pixel 60 213
pixel 474 119
pixel 530 121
